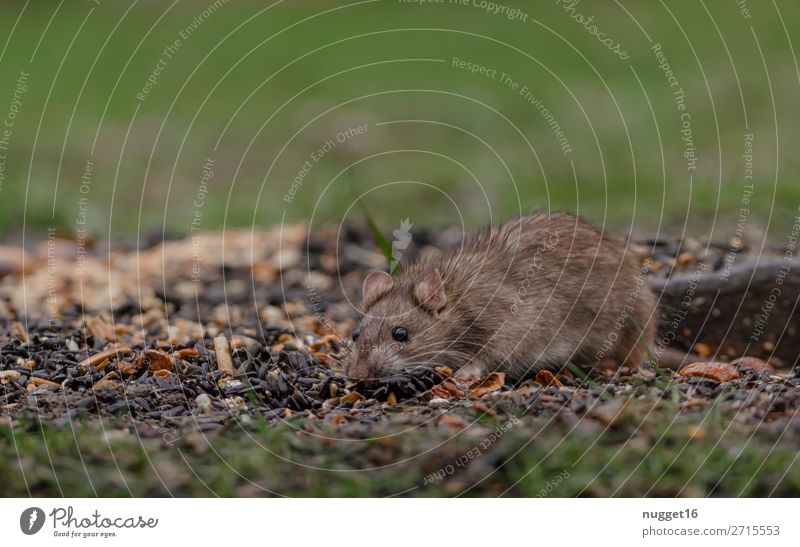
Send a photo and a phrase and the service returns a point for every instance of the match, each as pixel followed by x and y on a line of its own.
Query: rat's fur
pixel 534 292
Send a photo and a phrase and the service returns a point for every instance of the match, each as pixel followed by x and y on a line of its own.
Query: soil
pixel 203 330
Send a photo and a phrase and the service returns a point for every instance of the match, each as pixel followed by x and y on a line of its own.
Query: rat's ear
pixel 376 285
pixel 430 292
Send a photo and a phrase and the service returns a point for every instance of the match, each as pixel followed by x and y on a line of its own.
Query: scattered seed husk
pixel 352 397
pixel 7 376
pixel 98 358
pixel 43 382
pixel 223 352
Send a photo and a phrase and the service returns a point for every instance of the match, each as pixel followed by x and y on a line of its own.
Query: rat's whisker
pixel 435 355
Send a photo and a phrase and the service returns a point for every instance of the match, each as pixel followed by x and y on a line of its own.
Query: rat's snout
pixel 361 369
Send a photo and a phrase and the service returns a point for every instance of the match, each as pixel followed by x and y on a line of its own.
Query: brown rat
pixel 532 293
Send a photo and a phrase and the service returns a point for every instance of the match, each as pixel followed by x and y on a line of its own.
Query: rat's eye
pixel 356 334
pixel 400 334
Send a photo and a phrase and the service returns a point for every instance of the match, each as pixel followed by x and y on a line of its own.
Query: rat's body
pixel 532 293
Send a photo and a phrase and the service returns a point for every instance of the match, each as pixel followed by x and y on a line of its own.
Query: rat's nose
pixel 360 370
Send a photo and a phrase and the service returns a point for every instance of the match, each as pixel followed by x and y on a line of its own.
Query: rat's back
pixel 547 288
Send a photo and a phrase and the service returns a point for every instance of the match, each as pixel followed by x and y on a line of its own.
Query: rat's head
pixel 396 333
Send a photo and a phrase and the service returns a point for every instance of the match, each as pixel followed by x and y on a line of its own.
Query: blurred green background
pixel 259 88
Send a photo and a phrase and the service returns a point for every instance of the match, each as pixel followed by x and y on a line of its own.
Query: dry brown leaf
pixel 490 384
pixel 546 378
pixel 719 372
pixel 158 360
pixel 391 398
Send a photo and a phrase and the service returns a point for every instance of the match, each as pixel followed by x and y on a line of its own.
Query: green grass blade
pixel 380 239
